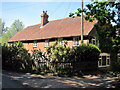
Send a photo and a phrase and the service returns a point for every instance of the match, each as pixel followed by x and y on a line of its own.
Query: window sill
pixel 104 66
pixel 34 47
pixel 75 45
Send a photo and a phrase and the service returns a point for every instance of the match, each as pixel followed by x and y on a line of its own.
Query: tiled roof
pixel 66 27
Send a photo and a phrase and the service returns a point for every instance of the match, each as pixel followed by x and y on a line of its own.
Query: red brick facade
pixel 41 45
pixel 52 30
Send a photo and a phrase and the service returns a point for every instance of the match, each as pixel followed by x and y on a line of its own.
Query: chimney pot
pixel 44 18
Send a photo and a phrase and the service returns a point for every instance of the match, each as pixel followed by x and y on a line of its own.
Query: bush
pixel 17 58
pixel 84 53
pixel 115 66
pixel 41 61
pixel 58 53
pixel 84 57
pixel 59 59
pixel 78 56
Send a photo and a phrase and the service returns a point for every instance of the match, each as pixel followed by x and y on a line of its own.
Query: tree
pixel 105 13
pixel 3 29
pixel 17 26
pixel 7 33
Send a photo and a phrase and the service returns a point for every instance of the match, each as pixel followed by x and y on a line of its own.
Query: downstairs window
pixel 104 60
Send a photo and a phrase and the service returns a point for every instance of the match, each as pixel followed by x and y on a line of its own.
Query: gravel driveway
pixel 40 81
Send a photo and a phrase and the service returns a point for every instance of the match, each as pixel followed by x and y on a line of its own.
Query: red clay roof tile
pixel 66 27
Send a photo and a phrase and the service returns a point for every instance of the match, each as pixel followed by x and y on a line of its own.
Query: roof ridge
pixel 48 22
pixel 51 21
pixel 33 25
pixel 54 21
pixel 60 19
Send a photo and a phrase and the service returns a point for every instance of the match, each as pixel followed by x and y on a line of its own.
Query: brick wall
pixel 41 45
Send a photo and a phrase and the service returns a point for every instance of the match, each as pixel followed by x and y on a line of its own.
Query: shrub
pixel 84 57
pixel 58 53
pixel 17 58
pixel 59 59
pixel 76 56
pixel 81 53
pixel 42 62
pixel 115 66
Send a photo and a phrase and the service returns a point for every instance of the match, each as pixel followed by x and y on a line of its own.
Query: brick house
pixel 41 35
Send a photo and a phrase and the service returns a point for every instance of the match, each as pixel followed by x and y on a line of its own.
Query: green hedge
pixel 82 53
pixel 62 59
pixel 17 58
pixel 87 54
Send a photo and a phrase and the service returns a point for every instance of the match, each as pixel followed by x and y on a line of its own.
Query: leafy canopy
pixel 106 13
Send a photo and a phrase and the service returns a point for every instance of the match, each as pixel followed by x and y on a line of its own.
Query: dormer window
pixel 46 43
pixel 75 41
pixel 35 44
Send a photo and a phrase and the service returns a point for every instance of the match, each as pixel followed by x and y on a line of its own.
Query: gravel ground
pixel 41 81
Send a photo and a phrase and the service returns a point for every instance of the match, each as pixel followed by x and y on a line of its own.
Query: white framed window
pixel 60 41
pixel 95 41
pixel 46 43
pixel 75 41
pixel 104 60
pixel 35 44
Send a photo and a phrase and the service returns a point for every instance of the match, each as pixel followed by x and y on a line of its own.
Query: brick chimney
pixel 44 18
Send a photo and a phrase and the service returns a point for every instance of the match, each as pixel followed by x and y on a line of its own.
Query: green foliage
pixel 8 32
pixel 58 53
pixel 16 57
pixel 84 53
pixel 74 57
pixel 114 64
pixel 41 61
pixel 17 26
pixel 104 12
pixel 62 60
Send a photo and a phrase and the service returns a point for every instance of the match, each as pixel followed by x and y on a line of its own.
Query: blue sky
pixel 29 12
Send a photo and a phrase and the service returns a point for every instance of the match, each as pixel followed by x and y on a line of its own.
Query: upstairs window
pixel 46 43
pixel 75 41
pixel 60 41
pixel 35 44
pixel 95 41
